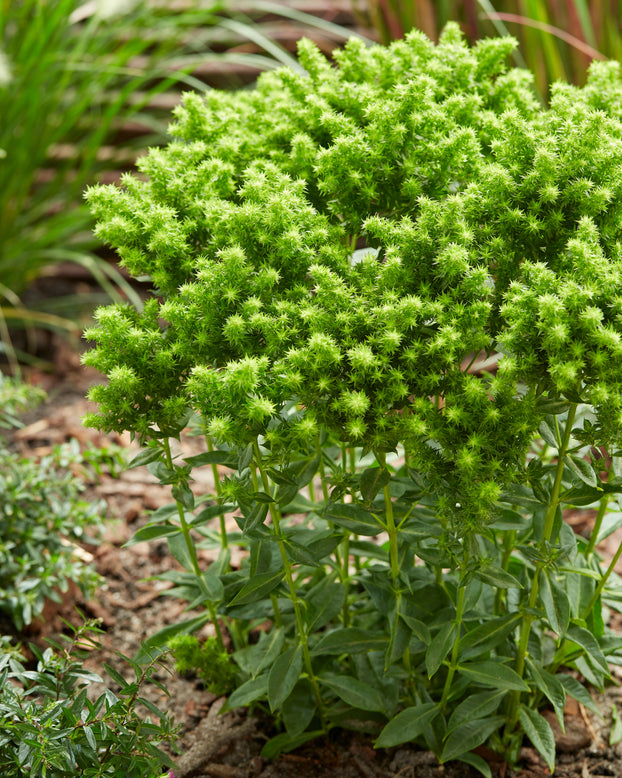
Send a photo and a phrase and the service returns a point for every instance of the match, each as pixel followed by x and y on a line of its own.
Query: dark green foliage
pixel 397 281
pixel 50 727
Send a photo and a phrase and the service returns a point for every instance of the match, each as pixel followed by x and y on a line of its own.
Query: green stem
pixel 509 542
pixel 602 510
pixel 192 552
pixel 275 515
pixel 223 528
pixel 322 470
pixel 456 646
pixel 549 521
pixel 390 522
pixel 602 582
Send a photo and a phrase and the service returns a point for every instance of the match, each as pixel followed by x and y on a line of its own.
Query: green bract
pixel 403 253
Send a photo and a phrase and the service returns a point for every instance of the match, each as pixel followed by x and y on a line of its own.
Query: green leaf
pixel 407 725
pixel 418 628
pixel 209 513
pixel 157 643
pixel 615 733
pixel 493 674
pixel 299 708
pixel 211 586
pixel 144 457
pixel 551 686
pixel 539 731
pixel 587 641
pixel 283 676
pixel 509 520
pixel 182 493
pixel 582 469
pixel 497 577
pixel 356 693
pixel 354 518
pixel 477 762
pixel 285 494
pixel 549 433
pixel 284 743
pixel 439 647
pixel 611 522
pixel 179 549
pixel 324 603
pixel 349 640
pixel 486 636
pixel 372 481
pixel 212 458
pixel 248 692
pixel 468 736
pixel 257 588
pixel 153 532
pixel 116 676
pixel 254 519
pixel 555 602
pixel 476 706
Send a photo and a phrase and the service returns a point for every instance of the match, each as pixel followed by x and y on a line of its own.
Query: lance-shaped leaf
pixel 407 725
pixel 349 640
pixel 551 686
pixel 470 735
pixel 353 691
pixel 539 731
pixel 555 602
pixel 439 647
pixel 257 588
pixel 587 641
pixel 372 481
pixel 487 636
pixel 284 675
pixel 354 518
pixel 493 674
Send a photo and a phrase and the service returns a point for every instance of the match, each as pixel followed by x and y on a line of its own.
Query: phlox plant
pixel 388 293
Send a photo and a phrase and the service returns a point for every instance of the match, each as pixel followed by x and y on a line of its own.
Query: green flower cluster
pixel 352 239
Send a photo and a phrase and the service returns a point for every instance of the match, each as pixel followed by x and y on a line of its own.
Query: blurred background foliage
pixel 557 38
pixel 86 86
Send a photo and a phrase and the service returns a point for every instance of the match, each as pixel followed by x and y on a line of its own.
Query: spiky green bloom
pixel 489 224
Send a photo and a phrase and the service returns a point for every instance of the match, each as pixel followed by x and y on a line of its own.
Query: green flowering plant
pixel 389 295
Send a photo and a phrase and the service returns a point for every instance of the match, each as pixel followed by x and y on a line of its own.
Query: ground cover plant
pixel 50 727
pixel 43 518
pixel 389 295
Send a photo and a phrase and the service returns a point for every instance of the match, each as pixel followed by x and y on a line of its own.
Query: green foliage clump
pixel 396 280
pixel 50 727
pixel 213 666
pixel 42 521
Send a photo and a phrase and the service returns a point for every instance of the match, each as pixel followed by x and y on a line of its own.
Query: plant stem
pixel 549 521
pixel 275 515
pixel 456 646
pixel 602 582
pixel 192 552
pixel 509 541
pixel 390 522
pixel 602 510
pixel 223 529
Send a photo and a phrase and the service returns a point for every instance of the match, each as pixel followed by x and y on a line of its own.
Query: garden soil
pixel 132 606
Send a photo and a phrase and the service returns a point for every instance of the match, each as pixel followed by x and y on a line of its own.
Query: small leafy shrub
pixel 206 659
pixel 42 519
pixel 50 727
pixel 389 294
